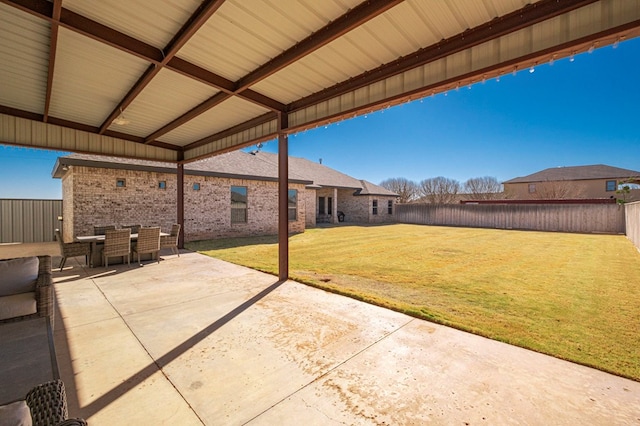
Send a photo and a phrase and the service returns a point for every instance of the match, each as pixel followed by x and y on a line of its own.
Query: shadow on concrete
pixel 135 380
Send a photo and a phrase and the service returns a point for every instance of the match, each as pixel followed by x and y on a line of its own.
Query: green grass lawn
pixel 573 296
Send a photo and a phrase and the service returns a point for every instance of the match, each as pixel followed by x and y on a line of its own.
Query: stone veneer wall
pixel 92 197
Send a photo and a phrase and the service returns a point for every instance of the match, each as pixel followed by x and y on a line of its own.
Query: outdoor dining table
pixel 95 259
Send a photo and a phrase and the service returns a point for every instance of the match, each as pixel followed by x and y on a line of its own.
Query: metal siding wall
pixel 632 219
pixel 29 221
pixel 585 218
pixel 20 131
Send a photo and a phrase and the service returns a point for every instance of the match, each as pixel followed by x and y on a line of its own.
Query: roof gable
pixel 598 171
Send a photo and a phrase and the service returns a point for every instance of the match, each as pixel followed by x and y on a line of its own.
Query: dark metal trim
pixel 283 196
pixel 529 15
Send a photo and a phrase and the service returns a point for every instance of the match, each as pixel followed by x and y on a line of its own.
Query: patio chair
pixel 68 250
pixel 100 230
pixel 171 241
pixel 18 291
pixel 117 242
pixel 134 228
pixel 148 242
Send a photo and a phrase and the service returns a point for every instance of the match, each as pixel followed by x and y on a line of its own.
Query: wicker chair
pixel 134 228
pixel 148 242
pixel 44 293
pixel 100 230
pixel 117 242
pixel 171 241
pixel 48 405
pixel 68 250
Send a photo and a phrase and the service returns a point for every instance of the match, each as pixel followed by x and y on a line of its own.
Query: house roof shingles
pixel 239 164
pixel 598 171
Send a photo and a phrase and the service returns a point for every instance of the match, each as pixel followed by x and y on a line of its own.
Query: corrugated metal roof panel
pixel 91 78
pixel 503 7
pixel 154 25
pixel 242 37
pixel 229 113
pixel 150 110
pixel 399 32
pixel 24 77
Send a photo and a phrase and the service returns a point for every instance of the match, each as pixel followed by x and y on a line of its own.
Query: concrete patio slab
pixel 194 340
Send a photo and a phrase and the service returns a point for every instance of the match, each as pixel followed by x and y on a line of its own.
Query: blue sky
pixel 566 114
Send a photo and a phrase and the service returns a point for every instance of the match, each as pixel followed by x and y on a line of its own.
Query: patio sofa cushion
pixel 18 305
pixel 18 275
pixel 15 413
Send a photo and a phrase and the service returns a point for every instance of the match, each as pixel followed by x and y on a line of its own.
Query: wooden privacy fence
pixel 587 218
pixel 29 221
pixel 632 218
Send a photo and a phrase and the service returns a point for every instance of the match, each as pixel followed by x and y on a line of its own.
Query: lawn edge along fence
pixel 580 218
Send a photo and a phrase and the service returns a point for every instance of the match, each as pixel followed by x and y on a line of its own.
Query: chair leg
pixel 62 261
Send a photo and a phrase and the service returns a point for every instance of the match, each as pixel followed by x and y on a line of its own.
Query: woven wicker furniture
pixel 68 250
pixel 148 242
pixel 43 293
pixel 171 241
pixel 48 405
pixel 134 228
pixel 117 242
pixel 44 405
pixel 100 230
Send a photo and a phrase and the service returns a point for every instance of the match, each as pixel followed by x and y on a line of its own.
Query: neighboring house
pixel 233 194
pixel 578 182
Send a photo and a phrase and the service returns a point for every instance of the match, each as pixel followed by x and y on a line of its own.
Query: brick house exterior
pixel 107 190
pixel 577 182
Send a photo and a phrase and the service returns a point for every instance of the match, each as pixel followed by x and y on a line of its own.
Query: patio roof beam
pixel 198 19
pixel 186 117
pixel 529 15
pixel 53 45
pixel 157 58
pixel 347 22
pixel 265 118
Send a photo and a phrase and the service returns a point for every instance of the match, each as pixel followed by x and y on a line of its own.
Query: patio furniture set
pixel 31 390
pixel 107 242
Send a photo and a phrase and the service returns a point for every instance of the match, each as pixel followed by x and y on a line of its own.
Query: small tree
pixel 439 190
pixel 483 188
pixel 623 191
pixel 625 187
pixel 406 189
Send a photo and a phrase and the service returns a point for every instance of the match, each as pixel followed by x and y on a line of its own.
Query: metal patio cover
pixel 188 79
